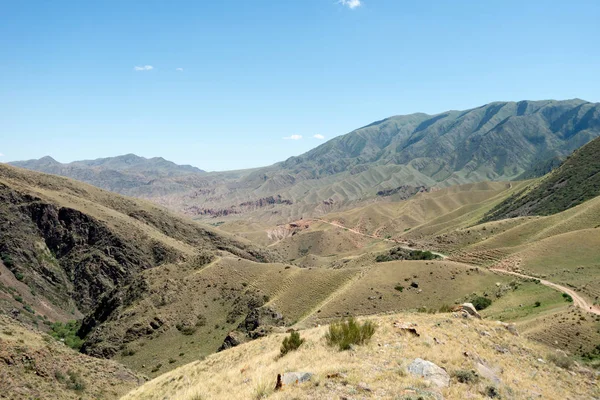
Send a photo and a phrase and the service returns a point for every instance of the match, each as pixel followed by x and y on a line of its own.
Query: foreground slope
pixel 515 367
pixel 34 365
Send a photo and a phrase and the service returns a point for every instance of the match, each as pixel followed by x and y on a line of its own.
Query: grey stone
pixel 291 378
pixel 488 373
pixel 430 372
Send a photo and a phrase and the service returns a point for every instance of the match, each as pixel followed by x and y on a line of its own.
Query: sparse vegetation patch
pixel 400 253
pixel 291 343
pixel 67 333
pixel 345 334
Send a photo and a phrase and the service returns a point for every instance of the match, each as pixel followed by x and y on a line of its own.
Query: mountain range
pixel 497 141
pixel 128 174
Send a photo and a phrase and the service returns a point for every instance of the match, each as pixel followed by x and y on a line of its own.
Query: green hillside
pixel 575 181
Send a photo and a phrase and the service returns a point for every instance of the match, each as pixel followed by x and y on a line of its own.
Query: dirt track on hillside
pixel 399 243
pixel 577 299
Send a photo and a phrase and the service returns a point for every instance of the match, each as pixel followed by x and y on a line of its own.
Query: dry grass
pixel 36 366
pixel 452 343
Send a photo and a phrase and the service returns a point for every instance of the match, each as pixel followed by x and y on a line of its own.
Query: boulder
pixel 488 373
pixel 234 338
pixel 429 372
pixel 470 309
pixel 293 378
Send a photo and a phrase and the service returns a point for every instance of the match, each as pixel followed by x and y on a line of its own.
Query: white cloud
pixel 319 136
pixel 143 68
pixel 179 69
pixel 293 137
pixel 1 155
pixel 351 4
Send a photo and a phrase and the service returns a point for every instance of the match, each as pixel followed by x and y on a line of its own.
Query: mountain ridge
pixel 497 141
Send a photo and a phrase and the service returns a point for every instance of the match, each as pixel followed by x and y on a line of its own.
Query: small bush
pixel 19 276
pixel 28 308
pixel 291 343
pixel 346 333
pixel 201 320
pixel 567 297
pixel 492 392
pixel 399 288
pixel 561 361
pixel 7 260
pixel 127 352
pixel 75 382
pixel 19 299
pixel 156 368
pixel 59 376
pixel 481 303
pixel 537 304
pixel 186 329
pixel 465 376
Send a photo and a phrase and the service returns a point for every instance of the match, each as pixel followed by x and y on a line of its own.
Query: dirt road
pixel 577 299
pixel 399 243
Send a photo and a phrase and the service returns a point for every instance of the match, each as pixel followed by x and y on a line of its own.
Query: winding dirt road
pixel 577 299
pixel 399 243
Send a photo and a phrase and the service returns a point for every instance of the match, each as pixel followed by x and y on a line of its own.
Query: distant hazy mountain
pixel 497 141
pixel 127 174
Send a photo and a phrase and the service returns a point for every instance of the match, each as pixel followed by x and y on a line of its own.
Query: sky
pixel 233 84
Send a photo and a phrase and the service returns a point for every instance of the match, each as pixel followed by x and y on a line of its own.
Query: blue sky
pixel 255 71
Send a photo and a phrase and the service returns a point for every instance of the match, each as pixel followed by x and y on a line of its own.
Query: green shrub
pixel 156 367
pixel 186 329
pixel 127 352
pixel 18 298
pixel 561 361
pixel 346 333
pixel 399 288
pixel 201 320
pixel 19 276
pixel 67 332
pixel 567 297
pixel 60 376
pixel 465 376
pixel 400 253
pixel 7 260
pixel 75 382
pixel 492 392
pixel 291 343
pixel 537 304
pixel 481 303
pixel 28 308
